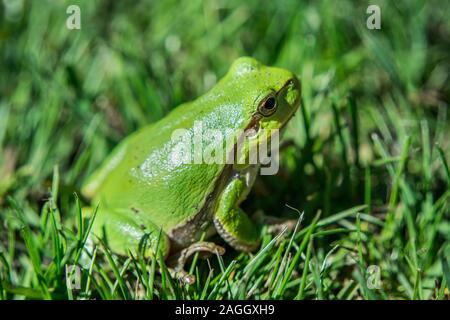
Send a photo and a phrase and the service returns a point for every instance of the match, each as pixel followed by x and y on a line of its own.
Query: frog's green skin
pixel 141 190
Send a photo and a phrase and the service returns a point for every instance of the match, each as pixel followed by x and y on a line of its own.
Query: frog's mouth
pixel 253 127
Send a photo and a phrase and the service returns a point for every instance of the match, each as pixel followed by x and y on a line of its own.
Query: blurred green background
pixel 373 129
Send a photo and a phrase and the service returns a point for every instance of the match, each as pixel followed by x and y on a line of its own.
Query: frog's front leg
pixel 231 222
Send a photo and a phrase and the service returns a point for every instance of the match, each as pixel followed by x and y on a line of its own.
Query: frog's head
pixel 269 95
pixel 264 97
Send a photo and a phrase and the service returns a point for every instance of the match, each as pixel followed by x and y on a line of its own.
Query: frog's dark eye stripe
pixel 268 106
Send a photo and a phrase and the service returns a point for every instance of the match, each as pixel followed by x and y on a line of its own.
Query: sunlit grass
pixel 365 158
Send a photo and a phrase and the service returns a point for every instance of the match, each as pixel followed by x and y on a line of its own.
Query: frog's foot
pixel 118 229
pixel 279 227
pixel 275 225
pixel 179 260
pixel 182 275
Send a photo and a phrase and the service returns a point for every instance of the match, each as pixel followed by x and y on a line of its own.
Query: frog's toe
pixel 277 228
pixel 205 249
pixel 182 275
pixel 275 225
pixel 177 261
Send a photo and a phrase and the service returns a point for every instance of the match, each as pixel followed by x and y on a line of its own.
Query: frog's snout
pixel 293 92
pixel 294 82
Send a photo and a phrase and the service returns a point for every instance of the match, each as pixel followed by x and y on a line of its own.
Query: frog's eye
pixel 268 106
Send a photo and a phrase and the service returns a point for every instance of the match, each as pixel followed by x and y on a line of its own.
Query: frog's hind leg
pixel 179 259
pixel 122 231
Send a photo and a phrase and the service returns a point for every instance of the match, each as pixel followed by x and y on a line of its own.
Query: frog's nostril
pixel 294 82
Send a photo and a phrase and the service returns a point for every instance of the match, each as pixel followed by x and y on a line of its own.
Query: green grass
pixel 366 160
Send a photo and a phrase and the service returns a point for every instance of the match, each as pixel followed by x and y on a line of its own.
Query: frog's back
pixel 142 174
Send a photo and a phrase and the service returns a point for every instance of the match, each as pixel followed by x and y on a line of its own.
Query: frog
pixel 142 191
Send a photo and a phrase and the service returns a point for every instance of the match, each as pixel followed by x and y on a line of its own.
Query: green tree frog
pixel 143 190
